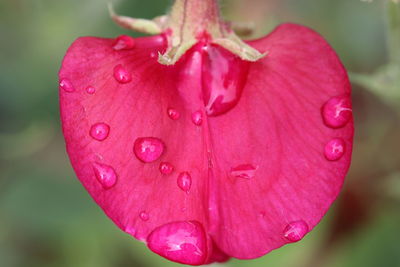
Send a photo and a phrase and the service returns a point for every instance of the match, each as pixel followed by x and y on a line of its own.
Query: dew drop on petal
pixel 124 42
pixel 197 118
pixel 173 114
pixel 184 181
pixel 100 131
pixel 105 174
pixel 144 216
pixel 183 242
pixel 166 168
pixel 246 171
pixel 121 74
pixel 337 112
pixel 295 231
pixel 148 149
pixel 66 85
pixel 90 90
pixel 335 149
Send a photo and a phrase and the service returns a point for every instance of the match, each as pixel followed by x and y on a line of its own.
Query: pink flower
pixel 220 151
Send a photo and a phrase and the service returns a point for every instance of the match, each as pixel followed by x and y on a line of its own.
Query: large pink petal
pixel 246 179
pixel 277 136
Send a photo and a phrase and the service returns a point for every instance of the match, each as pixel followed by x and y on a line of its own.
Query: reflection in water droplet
pixel 337 112
pixel 295 231
pixel 223 78
pixel 335 149
pixel 184 181
pixel 124 42
pixel 121 74
pixel 184 242
pixel 66 85
pixel 246 171
pixel 90 90
pixel 166 168
pixel 197 118
pixel 105 174
pixel 148 149
pixel 173 114
pixel 99 131
pixel 144 216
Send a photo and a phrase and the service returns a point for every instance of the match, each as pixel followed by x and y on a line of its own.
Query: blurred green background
pixel 47 218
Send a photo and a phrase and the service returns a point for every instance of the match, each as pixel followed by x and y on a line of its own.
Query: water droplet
pixel 90 90
pixel 99 131
pixel 153 55
pixel 124 42
pixel 148 149
pixel 223 78
pixel 337 112
pixel 295 231
pixel 197 118
pixel 166 168
pixel 184 181
pixel 183 242
pixel 66 85
pixel 121 74
pixel 335 149
pixel 144 216
pixel 173 114
pixel 246 171
pixel 105 175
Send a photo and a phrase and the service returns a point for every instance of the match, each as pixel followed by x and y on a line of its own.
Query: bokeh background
pixel 47 218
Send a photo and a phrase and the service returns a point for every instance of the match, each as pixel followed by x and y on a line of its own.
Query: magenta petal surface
pixel 211 157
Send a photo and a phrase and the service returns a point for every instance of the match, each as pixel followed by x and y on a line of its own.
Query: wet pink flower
pixel 184 151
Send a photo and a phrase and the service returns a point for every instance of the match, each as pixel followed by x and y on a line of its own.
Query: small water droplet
pixel 121 74
pixel 337 112
pixel 335 149
pixel 99 131
pixel 144 216
pixel 66 85
pixel 184 181
pixel 153 55
pixel 148 149
pixel 166 168
pixel 124 42
pixel 105 174
pixel 183 242
pixel 173 114
pixel 295 231
pixel 90 90
pixel 246 171
pixel 197 118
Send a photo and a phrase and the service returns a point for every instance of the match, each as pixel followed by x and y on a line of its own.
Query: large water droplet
pixel 173 114
pixel 197 118
pixel 246 171
pixel 295 231
pixel 144 216
pixel 90 90
pixel 124 42
pixel 99 131
pixel 148 149
pixel 223 78
pixel 105 174
pixel 335 149
pixel 184 242
pixel 166 168
pixel 66 85
pixel 121 74
pixel 184 181
pixel 337 112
